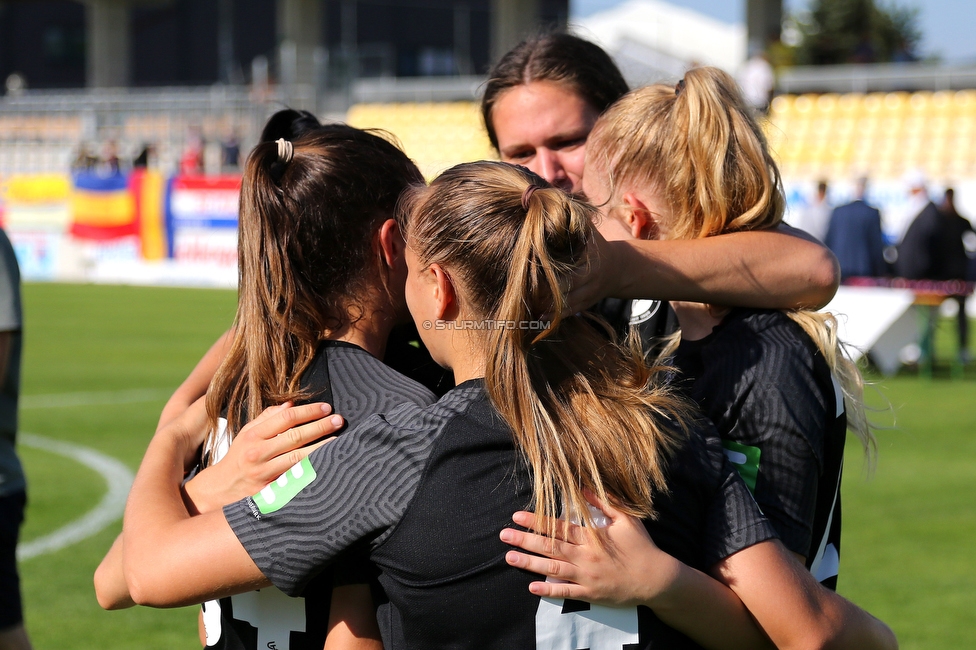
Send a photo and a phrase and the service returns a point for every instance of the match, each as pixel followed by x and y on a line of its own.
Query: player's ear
pixel 391 243
pixel 443 294
pixel 639 218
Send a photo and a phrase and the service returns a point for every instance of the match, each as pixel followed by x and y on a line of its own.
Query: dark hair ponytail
pixel 305 258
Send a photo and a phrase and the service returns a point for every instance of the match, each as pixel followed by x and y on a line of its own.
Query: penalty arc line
pixel 118 477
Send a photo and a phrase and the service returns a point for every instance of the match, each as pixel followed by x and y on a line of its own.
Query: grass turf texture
pixel 907 529
pixel 95 339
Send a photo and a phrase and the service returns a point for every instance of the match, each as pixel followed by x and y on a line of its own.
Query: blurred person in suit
pixel 916 252
pixel 854 236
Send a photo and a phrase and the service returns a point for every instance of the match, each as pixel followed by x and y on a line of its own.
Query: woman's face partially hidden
pixel 543 125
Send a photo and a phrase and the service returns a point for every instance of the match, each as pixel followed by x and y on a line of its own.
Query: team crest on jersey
pixel 643 310
pixel 283 489
pixel 746 461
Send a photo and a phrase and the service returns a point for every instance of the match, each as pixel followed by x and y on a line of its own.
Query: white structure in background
pixel 653 41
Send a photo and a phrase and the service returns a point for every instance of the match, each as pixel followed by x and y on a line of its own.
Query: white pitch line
pixel 118 477
pixel 101 398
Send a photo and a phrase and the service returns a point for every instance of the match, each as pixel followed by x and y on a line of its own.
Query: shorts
pixel 11 516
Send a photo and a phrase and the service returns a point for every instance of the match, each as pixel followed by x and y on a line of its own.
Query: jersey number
pixel 273 614
pixel 598 628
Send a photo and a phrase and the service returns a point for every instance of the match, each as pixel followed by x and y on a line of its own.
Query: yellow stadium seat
pixel 827 103
pixel 919 103
pixel 896 102
pixel 850 104
pixel 804 105
pixel 965 102
pixel 941 103
pixel 873 103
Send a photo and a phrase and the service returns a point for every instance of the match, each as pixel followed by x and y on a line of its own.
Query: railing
pixel 876 77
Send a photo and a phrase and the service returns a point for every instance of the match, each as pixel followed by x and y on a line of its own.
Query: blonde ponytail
pixel 699 146
pixel 586 413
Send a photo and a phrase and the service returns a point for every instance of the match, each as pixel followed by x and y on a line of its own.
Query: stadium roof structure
pixel 652 40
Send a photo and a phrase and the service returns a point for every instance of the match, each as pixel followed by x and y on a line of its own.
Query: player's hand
pixel 628 570
pixel 596 277
pixel 265 448
pixel 188 430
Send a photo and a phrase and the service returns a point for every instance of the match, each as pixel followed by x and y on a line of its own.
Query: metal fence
pixel 50 131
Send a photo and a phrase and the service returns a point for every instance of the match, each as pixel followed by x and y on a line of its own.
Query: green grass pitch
pixel 908 529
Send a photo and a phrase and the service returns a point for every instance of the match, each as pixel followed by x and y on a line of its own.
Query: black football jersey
pixel 357 385
pixel 780 413
pixel 427 491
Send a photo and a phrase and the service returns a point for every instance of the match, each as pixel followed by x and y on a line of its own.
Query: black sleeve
pixel 350 490
pixel 766 398
pixel 733 520
pixel 707 514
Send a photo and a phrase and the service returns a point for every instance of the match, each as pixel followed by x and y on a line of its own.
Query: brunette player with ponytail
pixel 312 323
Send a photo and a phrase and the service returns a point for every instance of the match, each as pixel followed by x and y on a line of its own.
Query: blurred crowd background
pixel 124 123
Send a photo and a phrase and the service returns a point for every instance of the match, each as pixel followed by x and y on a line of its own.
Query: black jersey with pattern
pixel 780 412
pixel 427 490
pixel 357 385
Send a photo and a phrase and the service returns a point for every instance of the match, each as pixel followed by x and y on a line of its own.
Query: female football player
pixel 545 411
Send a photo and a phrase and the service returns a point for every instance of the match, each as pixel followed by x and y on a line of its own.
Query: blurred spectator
pixel 146 157
pixel 815 217
pixel 191 162
pixel 231 151
pixel 934 248
pixel 854 235
pixel 757 81
pixel 84 160
pixel 109 163
pixel 952 260
pixel 916 252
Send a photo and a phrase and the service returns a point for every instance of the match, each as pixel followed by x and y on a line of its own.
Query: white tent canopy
pixel 654 41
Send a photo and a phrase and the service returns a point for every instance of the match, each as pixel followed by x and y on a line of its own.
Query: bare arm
pixel 770 589
pixel 793 608
pixel 196 384
pixel 631 571
pixel 171 558
pixel 781 269
pixel 110 588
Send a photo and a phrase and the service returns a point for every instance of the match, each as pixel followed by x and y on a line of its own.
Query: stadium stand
pixel 436 135
pixel 44 131
pixel 881 135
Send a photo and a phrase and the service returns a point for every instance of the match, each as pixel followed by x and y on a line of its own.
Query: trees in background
pixel 856 31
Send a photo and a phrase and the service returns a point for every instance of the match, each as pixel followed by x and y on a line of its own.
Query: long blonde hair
pixel 586 413
pixel 698 145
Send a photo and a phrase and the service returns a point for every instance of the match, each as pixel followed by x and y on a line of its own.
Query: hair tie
pixel 678 87
pixel 527 194
pixel 286 151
